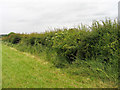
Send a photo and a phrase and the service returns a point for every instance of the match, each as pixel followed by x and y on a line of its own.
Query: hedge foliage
pixel 97 41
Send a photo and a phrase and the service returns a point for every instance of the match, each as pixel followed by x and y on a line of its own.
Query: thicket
pixel 97 43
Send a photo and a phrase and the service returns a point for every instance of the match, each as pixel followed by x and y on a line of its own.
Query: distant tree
pixel 11 33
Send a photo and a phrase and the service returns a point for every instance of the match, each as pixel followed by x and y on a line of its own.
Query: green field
pixel 23 70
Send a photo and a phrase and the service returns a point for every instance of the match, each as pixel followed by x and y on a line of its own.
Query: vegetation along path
pixel 22 70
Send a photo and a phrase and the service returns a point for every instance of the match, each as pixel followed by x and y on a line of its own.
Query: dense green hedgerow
pixel 100 40
pixel 100 43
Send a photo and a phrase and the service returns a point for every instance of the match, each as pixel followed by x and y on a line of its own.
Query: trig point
pixel 119 12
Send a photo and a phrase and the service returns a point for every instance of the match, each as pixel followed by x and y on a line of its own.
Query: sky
pixel 27 16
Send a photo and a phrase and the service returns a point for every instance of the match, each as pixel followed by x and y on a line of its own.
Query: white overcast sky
pixel 26 16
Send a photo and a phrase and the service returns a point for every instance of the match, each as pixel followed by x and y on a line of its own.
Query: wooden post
pixel 119 12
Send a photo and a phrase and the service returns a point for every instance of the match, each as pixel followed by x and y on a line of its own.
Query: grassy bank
pixel 91 52
pixel 23 70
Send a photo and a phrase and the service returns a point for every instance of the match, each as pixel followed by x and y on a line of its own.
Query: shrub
pixel 14 38
pixel 98 41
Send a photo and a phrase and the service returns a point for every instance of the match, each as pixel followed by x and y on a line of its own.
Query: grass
pixel 23 70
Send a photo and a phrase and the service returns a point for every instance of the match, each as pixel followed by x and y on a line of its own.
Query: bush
pixel 98 41
pixel 14 38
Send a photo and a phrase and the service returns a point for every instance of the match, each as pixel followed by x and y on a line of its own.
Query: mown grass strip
pixel 21 71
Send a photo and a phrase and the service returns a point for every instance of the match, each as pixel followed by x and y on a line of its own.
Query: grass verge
pixel 23 70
